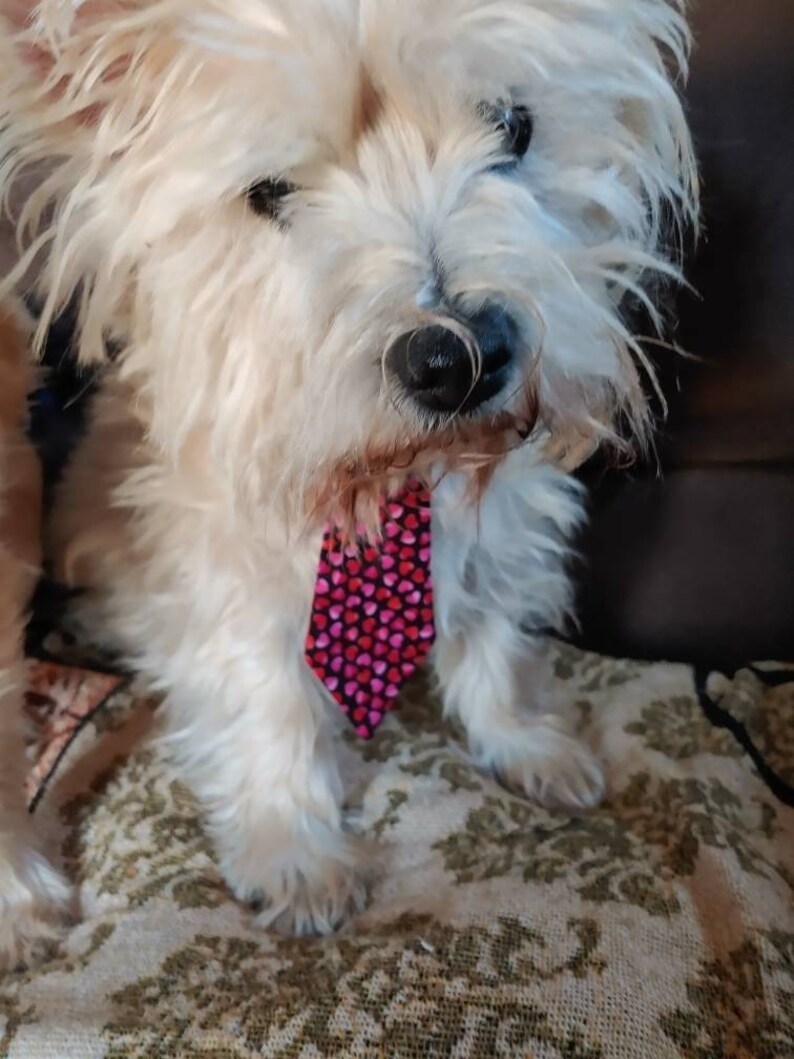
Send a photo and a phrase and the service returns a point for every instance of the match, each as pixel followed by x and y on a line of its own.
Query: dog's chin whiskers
pixel 349 491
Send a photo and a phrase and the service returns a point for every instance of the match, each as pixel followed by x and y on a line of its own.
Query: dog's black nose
pixel 444 374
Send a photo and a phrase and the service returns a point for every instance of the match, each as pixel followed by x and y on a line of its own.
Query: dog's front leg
pixel 500 581
pixel 253 736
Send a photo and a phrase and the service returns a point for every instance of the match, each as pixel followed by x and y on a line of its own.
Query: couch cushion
pixel 657 927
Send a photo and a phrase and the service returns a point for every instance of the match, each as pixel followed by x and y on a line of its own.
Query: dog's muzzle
pixel 444 374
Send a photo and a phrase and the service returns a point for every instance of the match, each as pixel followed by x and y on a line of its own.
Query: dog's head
pixel 338 237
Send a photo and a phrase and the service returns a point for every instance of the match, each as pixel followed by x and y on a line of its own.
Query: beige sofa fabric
pixel 659 927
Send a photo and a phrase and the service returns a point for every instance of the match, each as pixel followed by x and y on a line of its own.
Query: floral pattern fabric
pixel 660 926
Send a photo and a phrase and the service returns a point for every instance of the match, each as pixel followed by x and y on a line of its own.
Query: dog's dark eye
pixel 518 127
pixel 267 197
pixel 515 124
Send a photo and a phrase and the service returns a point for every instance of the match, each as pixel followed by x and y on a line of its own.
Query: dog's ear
pixel 77 78
pixel 62 60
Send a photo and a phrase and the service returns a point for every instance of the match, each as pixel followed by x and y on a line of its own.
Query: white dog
pixel 336 241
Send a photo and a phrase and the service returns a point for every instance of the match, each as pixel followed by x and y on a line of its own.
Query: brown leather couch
pixel 698 564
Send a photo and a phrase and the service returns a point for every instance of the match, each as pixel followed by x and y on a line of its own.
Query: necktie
pixel 372 618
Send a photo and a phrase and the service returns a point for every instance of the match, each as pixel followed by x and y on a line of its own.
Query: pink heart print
pixel 372 619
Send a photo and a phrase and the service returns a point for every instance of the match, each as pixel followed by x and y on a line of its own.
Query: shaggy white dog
pixel 335 241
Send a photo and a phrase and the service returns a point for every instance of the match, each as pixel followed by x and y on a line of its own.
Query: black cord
pixel 721 718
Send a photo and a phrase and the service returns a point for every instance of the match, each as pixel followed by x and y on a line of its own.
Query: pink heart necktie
pixel 372 618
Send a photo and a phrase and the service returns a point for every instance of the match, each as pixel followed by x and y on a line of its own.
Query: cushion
pixel 660 925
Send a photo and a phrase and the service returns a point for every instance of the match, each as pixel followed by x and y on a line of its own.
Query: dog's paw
pixel 34 900
pixel 314 907
pixel 542 760
pixel 303 896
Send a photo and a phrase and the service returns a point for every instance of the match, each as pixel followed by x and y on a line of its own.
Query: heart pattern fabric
pixel 372 620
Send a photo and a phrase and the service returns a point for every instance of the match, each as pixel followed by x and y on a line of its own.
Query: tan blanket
pixel 659 927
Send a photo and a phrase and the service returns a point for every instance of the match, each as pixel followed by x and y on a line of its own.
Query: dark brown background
pixel 699 564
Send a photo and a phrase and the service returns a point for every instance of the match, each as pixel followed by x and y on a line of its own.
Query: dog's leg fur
pixel 497 569
pixel 251 735
pixel 213 607
pixel 31 892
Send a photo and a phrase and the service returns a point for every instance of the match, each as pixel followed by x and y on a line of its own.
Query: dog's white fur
pixel 249 402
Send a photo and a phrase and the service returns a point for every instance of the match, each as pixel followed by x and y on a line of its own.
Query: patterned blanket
pixel 659 927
